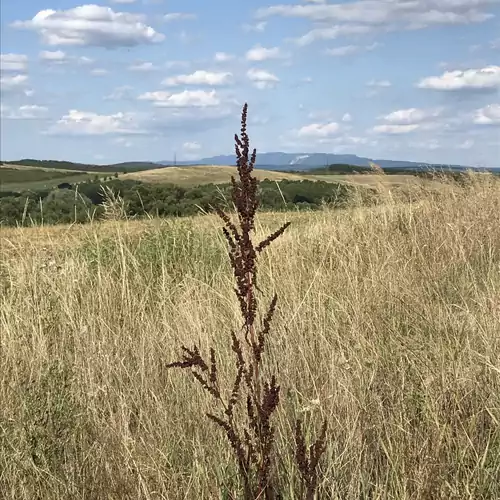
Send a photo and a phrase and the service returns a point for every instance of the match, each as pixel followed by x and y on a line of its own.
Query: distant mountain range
pixel 307 161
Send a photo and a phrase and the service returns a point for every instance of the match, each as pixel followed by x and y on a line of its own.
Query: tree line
pixel 86 201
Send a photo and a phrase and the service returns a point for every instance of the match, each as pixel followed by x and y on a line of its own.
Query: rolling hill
pixel 201 174
pixel 130 166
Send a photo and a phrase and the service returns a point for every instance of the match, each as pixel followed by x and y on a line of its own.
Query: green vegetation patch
pixel 88 200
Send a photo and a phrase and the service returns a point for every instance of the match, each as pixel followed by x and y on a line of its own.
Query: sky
pixel 150 80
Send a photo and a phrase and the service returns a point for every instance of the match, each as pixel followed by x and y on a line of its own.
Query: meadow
pixel 22 178
pixel 387 326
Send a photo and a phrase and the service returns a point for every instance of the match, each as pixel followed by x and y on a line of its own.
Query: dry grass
pixel 388 320
pixel 219 174
pixel 201 174
pixel 45 169
pixel 374 179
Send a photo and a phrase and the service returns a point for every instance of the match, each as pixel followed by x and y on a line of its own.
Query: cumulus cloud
pixel 185 99
pixel 58 57
pixel 13 62
pixel 179 16
pixel 13 83
pixel 319 130
pixel 479 79
pixel 259 53
pixel 257 27
pixel 262 79
pixel 331 33
pixel 404 121
pixel 26 112
pixel 53 57
pixel 191 146
pixel 89 123
pixel 489 115
pixel 223 57
pixel 200 77
pixel 91 25
pixel 412 116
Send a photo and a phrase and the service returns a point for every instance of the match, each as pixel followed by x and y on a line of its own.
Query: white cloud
pixel 347 50
pixel 200 77
pixel 350 140
pixel 223 57
pixel 179 16
pixel 13 83
pixel 338 19
pixel 343 51
pixel 404 121
pixel 408 15
pixel 347 117
pixel 85 60
pixel 89 123
pixel 489 115
pixel 91 25
pixel 258 27
pixel 185 99
pixel 319 130
pixel 191 146
pixel 262 79
pixel 331 33
pixel 395 129
pixel 259 53
pixel 142 67
pixel 58 57
pixel 53 57
pixel 487 78
pixel 412 116
pixel 13 62
pixel 124 2
pixel 26 112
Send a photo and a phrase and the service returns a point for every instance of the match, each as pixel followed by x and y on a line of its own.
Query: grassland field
pixel 19 177
pixel 387 324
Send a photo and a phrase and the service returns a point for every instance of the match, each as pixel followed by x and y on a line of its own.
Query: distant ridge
pixel 289 162
pixel 307 161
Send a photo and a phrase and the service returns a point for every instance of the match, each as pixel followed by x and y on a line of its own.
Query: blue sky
pixel 121 80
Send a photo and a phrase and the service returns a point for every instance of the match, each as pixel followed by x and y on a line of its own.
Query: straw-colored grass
pixel 388 324
pixel 219 174
pixel 202 174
